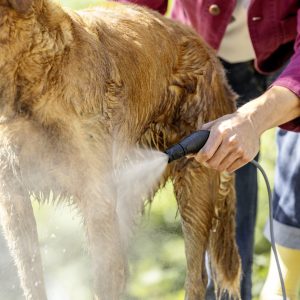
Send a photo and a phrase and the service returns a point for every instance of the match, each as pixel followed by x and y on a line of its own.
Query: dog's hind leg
pixel 19 226
pixel 192 189
pixel 223 252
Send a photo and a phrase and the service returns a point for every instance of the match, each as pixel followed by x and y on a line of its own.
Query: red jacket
pixel 274 28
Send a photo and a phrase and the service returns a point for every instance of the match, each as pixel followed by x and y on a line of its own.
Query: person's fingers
pixel 228 151
pixel 230 159
pixel 224 157
pixel 207 126
pixel 211 146
pixel 210 124
pixel 221 153
pixel 238 163
pixel 232 143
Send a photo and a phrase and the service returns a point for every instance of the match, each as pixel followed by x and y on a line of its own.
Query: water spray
pixel 193 144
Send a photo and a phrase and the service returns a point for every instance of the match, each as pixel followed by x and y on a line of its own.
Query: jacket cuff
pixel 290 79
pixel 294 86
pixel 293 125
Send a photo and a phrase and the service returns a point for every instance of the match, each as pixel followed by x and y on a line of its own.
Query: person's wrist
pixel 276 106
pixel 262 115
pixel 253 113
pixel 282 105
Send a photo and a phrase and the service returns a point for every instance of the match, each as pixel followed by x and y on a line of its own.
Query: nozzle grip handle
pixel 195 141
pixel 189 145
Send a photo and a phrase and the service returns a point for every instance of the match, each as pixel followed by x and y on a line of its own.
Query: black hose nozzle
pixel 189 145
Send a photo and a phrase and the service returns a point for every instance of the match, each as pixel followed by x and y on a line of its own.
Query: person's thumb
pixel 207 126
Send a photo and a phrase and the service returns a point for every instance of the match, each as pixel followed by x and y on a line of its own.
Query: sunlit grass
pixel 80 4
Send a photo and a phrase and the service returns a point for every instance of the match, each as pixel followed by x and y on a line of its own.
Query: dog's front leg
pixel 20 231
pixel 106 249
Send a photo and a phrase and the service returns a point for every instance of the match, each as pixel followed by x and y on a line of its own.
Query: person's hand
pixel 234 138
pixel 232 143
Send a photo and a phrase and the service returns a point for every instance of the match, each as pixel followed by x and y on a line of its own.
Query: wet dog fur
pixel 74 83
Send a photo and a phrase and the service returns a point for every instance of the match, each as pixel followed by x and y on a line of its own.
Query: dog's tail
pixel 224 258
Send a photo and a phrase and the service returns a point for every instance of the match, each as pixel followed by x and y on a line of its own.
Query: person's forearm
pixel 275 107
pixel 234 138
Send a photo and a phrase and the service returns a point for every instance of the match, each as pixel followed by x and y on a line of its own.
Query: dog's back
pixel 77 84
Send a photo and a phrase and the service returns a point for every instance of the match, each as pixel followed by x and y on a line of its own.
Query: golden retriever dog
pixel 73 84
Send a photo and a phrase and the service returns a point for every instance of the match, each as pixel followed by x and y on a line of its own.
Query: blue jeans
pixel 248 84
pixel 286 195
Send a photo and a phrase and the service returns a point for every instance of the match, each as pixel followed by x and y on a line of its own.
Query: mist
pixel 63 244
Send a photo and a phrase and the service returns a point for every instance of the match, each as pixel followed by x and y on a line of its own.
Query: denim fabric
pixel 286 195
pixel 246 190
pixel 248 84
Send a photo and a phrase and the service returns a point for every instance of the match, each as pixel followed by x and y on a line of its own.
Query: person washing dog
pixel 254 40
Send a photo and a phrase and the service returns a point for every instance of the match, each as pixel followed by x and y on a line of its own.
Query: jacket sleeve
pixel 158 5
pixel 290 78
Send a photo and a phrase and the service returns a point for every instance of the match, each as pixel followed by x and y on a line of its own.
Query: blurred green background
pixel 157 260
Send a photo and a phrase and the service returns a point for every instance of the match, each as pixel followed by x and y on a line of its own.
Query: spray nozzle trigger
pixel 189 145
